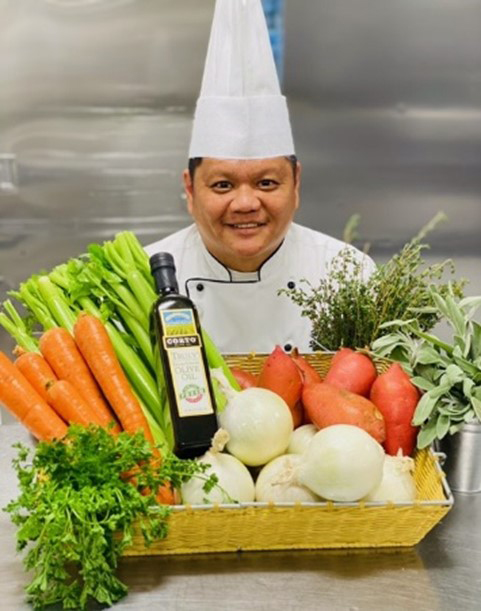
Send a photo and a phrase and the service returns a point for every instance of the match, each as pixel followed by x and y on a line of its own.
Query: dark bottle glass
pixel 181 356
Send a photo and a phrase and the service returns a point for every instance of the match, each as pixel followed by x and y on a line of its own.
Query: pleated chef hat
pixel 240 113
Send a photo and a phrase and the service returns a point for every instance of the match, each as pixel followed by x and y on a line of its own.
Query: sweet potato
pixel 281 375
pixel 352 371
pixel 396 397
pixel 308 374
pixel 246 379
pixel 327 405
pixel 340 354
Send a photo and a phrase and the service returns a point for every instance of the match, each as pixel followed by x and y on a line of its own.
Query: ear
pixel 188 189
pixel 297 183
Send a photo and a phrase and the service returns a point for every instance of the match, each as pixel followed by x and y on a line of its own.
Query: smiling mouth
pixel 245 225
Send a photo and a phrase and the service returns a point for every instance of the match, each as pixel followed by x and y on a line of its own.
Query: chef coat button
pixel 291 284
pixel 200 287
pixel 287 347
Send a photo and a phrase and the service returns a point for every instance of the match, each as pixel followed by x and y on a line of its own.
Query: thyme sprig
pixel 346 309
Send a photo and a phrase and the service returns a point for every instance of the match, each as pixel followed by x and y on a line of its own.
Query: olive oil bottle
pixel 181 357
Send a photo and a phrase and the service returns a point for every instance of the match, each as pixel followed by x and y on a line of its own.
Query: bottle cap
pixel 161 259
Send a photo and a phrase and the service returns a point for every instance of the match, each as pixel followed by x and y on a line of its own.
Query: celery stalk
pixel 138 253
pixel 216 360
pixel 57 305
pixel 29 296
pixel 12 322
pixel 143 291
pixel 142 337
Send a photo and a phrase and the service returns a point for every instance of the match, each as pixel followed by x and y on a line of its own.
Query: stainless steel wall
pixel 95 109
pixel 96 98
pixel 387 98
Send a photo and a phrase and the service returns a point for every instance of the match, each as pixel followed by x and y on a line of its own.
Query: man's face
pixel 243 208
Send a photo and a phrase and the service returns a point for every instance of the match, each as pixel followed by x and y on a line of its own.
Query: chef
pixel 242 187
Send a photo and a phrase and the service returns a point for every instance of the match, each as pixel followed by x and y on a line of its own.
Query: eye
pixel 267 184
pixel 221 186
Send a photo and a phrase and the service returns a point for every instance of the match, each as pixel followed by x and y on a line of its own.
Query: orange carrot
pixel 70 405
pixel 62 354
pixel 97 349
pixel 21 399
pixel 37 371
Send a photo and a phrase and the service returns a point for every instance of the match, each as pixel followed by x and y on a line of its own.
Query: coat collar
pixel 216 270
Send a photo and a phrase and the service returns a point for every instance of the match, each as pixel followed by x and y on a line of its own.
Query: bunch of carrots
pixel 74 379
pixel 112 282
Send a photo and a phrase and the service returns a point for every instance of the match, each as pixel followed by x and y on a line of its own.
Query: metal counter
pixel 442 573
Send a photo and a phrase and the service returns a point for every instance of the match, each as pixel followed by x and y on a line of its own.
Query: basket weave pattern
pixel 324 525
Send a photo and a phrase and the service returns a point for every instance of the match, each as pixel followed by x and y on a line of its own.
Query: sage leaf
pixel 476 343
pixel 424 408
pixel 440 304
pixel 476 403
pixel 440 390
pixel 455 316
pixel 466 365
pixel 442 426
pixel 463 343
pixel 468 386
pixel 454 374
pixel 427 435
pixel 427 355
pixel 422 383
pixel 385 344
pixel 469 305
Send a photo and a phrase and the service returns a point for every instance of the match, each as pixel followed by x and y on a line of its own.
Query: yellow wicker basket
pixel 324 525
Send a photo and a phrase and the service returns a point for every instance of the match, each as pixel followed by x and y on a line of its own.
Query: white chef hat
pixel 240 113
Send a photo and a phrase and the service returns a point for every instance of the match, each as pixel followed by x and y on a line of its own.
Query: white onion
pixel 258 421
pixel 278 481
pixel 301 438
pixel 235 482
pixel 342 463
pixel 397 484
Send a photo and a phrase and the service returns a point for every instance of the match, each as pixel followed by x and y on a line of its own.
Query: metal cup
pixel 463 458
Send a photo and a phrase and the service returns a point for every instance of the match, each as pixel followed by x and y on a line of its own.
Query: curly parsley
pixel 77 507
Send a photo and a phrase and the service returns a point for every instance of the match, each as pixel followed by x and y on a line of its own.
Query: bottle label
pixel 182 344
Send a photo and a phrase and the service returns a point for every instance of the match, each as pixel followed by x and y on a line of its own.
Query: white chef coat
pixel 243 312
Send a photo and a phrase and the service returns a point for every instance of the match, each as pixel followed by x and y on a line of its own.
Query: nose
pixel 245 200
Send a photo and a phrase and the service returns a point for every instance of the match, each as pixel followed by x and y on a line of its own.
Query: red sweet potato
pixel 340 354
pixel 396 397
pixel 246 379
pixel 281 375
pixel 352 371
pixel 308 374
pixel 327 405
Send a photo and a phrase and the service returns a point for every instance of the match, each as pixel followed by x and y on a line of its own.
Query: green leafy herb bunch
pixel 448 372
pixel 78 501
pixel 348 309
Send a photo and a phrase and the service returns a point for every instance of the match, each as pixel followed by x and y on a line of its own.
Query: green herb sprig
pixel 77 507
pixel 348 309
